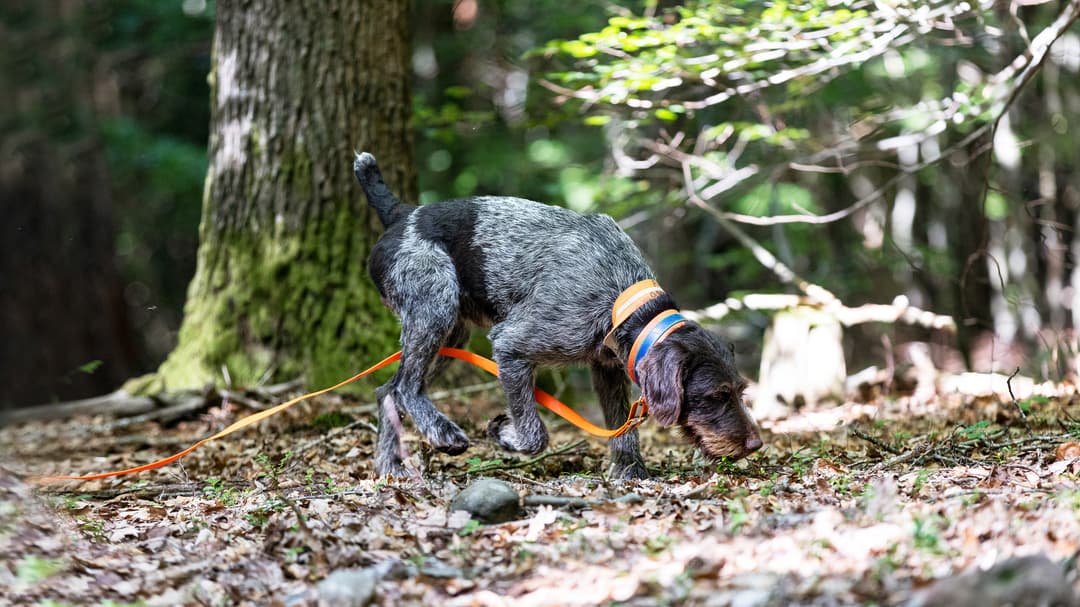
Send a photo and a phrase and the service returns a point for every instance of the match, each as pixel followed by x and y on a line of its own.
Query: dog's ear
pixel 660 376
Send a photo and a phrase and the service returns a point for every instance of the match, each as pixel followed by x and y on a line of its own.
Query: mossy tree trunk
pixel 281 287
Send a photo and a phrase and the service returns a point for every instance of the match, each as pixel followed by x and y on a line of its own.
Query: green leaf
pixel 577 48
pixel 469 527
pixel 996 208
pixel 90 367
pixel 665 114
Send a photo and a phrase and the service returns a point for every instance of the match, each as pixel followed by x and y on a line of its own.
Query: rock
pixel 489 501
pixel 434 568
pixel 1022 581
pixel 348 588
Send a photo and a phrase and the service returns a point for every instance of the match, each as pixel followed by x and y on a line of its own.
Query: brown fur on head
pixel 690 379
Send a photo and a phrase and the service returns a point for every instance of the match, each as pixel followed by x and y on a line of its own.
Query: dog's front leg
pixel 613 390
pixel 522 430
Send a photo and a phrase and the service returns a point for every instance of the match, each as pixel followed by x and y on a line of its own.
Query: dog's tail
pixel 378 193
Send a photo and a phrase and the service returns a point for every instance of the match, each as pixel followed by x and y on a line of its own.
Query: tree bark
pixel 62 309
pixel 281 287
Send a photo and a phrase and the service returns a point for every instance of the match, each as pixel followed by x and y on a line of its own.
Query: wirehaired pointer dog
pixel 545 280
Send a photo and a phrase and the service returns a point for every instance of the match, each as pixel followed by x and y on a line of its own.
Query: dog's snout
pixel 753 442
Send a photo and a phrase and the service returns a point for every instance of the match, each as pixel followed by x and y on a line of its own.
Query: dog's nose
pixel 753 443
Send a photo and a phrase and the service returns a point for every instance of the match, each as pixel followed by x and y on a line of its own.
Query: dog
pixel 544 279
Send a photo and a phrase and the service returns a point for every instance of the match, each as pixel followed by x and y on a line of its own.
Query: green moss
pixel 294 304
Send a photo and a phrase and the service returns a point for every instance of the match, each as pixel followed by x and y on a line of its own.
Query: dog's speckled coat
pixel 544 279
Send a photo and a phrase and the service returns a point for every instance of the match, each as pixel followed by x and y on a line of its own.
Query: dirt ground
pixel 857 503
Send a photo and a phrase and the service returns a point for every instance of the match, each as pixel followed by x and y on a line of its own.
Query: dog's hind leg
pixel 613 390
pixel 456 339
pixel 388 453
pixel 425 296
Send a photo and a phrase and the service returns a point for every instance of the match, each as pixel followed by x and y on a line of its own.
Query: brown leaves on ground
pixel 852 504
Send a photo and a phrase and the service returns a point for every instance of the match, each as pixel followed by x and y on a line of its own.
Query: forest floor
pixel 856 503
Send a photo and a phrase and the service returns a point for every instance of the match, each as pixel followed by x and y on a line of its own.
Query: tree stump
pixel 802 361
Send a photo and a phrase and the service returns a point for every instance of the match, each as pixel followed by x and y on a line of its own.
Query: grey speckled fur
pixel 544 279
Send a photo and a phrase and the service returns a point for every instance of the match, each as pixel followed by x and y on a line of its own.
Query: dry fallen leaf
pixel 1067 451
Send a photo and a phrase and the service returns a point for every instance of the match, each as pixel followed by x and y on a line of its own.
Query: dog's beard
pixel 714 447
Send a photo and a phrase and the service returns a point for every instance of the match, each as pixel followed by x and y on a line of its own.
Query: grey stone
pixel 489 501
pixel 348 588
pixel 1033 581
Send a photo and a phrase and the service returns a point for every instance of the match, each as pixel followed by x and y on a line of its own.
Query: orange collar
pixel 627 303
pixel 657 330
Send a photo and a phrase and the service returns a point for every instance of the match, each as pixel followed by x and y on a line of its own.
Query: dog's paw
pixel 448 438
pixel 628 470
pixel 392 466
pixel 501 430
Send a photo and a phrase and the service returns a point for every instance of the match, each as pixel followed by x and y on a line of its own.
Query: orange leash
pixel 638 413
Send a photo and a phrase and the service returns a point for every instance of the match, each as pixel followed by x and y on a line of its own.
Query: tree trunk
pixel 281 287
pixel 62 310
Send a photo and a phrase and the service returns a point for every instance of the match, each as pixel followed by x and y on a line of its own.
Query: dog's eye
pixel 727 392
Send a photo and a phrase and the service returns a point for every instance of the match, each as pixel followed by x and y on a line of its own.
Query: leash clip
pixel 639 414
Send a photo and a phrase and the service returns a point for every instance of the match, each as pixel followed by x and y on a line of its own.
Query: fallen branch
pixel 186 403
pixel 874 441
pixel 910 455
pixel 149 491
pixel 898 311
pixel 121 404
pixel 115 403
pixel 563 501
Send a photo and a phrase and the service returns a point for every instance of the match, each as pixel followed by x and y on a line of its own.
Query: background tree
pixel 773 109
pixel 281 287
pixel 66 330
pixel 869 123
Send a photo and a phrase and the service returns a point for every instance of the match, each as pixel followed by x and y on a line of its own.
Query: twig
pixel 159 491
pixel 564 501
pixel 1008 382
pixel 360 423
pixel 899 310
pixel 874 441
pixel 519 464
pixel 372 406
pixel 903 458
pixel 783 272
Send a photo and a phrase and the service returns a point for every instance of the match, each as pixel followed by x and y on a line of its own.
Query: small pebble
pixel 348 588
pixel 489 501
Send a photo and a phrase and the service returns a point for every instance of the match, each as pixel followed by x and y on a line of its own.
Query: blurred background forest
pixel 922 151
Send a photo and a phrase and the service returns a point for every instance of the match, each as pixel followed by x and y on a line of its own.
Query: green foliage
pixel 218 489
pixel 33 569
pixel 738 516
pixel 90 367
pixel 330 420
pixel 477 130
pixel 920 481
pixel 477 464
pixel 93 527
pixel 975 431
pixel 469 528
pixel 271 469
pixel 927 533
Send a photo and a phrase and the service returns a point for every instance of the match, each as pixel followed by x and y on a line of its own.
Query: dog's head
pixel 690 379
